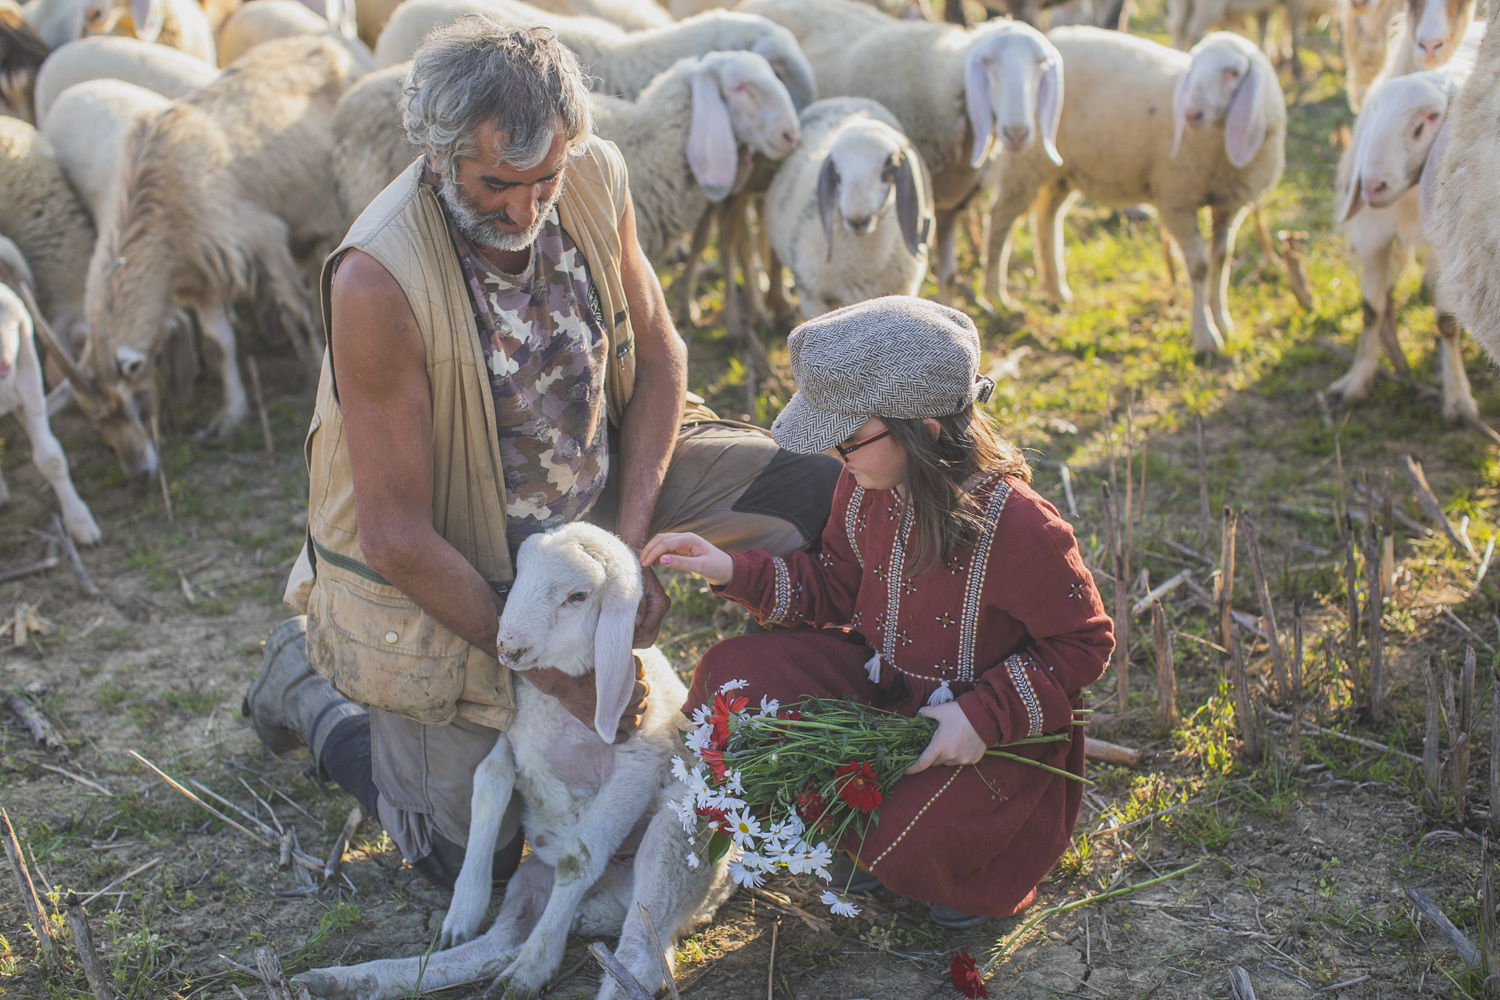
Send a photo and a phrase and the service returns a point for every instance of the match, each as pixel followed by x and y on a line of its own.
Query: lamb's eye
pixel 578 597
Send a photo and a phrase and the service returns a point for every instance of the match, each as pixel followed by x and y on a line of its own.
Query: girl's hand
pixel 685 550
pixel 955 741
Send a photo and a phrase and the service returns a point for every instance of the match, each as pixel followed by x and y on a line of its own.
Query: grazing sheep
pixel 88 125
pixel 21 54
pixel 1364 31
pixel 1379 208
pixel 850 207
pixel 22 391
pixel 621 799
pixel 219 196
pixel 951 89
pixel 177 24
pixel 1221 148
pixel 263 21
pixel 369 143
pixel 170 73
pixel 1429 35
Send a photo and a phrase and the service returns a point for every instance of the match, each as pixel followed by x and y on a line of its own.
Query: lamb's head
pixel 1439 29
pixel 572 606
pixel 1228 80
pixel 739 108
pixel 1394 140
pixel 779 47
pixel 869 166
pixel 1013 89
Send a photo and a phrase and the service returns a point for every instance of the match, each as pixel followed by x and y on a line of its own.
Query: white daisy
pixel 819 858
pixel 745 876
pixel 743 827
pixel 680 769
pixel 691 859
pixel 756 862
pixel 769 705
pixel 732 781
pixel 701 739
pixel 838 904
pixel 735 685
pixel 701 714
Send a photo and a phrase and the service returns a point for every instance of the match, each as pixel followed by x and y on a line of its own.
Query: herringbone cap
pixel 895 356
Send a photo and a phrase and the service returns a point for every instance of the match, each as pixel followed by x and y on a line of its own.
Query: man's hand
pixel 578 697
pixel 653 608
pixel 955 741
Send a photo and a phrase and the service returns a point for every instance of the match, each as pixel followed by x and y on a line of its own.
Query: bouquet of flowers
pixel 783 783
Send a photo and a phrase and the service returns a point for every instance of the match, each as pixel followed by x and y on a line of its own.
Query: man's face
pixel 495 204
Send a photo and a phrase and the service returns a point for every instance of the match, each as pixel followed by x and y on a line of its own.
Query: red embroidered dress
pixel 1011 627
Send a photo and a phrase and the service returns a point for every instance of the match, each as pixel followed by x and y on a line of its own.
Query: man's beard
pixel 478 227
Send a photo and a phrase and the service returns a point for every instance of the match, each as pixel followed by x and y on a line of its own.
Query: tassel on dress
pixel 872 668
pixel 941 696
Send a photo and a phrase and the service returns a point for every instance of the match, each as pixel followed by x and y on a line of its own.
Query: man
pixel 500 362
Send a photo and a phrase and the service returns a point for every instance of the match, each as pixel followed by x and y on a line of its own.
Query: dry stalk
pixel 39 566
pixel 1351 610
pixel 41 926
pixel 336 856
pixel 74 560
pixel 1460 944
pixel 1432 781
pixel 88 955
pixel 1203 509
pixel 1296 671
pixel 1461 747
pixel 1495 755
pixel 1118 568
pixel 770 965
pixel 1376 633
pixel 1387 539
pixel 1244 701
pixel 1239 984
pixel 1226 577
pixel 1166 673
pixel 628 983
pixel 41 729
pixel 1428 501
pixel 666 967
pixel 1487 921
pixel 1267 609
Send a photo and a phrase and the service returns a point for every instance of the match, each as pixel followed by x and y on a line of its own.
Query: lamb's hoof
pixel 223 425
pixel 523 978
pixel 459 928
pixel 1461 410
pixel 1348 390
pixel 82 526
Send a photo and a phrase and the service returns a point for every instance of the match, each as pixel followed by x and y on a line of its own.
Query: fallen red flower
pixel 859 788
pixel 966 977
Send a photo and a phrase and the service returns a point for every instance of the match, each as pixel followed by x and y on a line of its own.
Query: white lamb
pixel 1431 33
pixel 850 207
pixel 170 73
pixel 1221 148
pixel 267 20
pixel 88 125
pixel 952 90
pixel 572 607
pixel 1379 207
pixel 22 391
pixel 177 24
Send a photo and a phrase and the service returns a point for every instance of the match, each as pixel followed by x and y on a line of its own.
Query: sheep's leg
pixel 287 288
pixel 1009 205
pixel 1047 215
pixel 1183 225
pixel 750 260
pixel 776 300
pixel 686 310
pixel 1226 225
pixel 1375 282
pixel 494 781
pixel 945 219
pixel 1458 398
pixel 46 453
pixel 214 319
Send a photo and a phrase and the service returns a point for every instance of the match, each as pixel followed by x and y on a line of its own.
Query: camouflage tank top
pixel 545 351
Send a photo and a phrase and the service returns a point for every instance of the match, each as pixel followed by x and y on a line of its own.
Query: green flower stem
pixel 1039 764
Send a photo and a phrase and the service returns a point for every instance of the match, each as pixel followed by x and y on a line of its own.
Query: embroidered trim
pixel 851 515
pixel 893 590
pixel 892 845
pixel 969 626
pixel 1016 665
pixel 924 677
pixel 783 591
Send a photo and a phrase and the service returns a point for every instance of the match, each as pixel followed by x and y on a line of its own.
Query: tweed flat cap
pixel 895 356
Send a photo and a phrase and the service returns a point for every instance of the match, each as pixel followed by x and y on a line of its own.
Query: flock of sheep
pixel 144 191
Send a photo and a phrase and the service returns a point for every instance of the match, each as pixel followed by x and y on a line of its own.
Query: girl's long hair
pixel 945 515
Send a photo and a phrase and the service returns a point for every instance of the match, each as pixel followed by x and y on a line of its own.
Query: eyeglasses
pixel 845 450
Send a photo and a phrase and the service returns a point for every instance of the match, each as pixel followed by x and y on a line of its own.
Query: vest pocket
pixel 385 652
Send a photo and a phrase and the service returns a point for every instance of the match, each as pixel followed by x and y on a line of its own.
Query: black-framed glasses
pixel 845 450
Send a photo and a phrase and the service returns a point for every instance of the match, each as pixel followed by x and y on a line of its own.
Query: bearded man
pixel 500 362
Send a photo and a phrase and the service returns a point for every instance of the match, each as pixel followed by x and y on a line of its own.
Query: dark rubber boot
pixel 289 704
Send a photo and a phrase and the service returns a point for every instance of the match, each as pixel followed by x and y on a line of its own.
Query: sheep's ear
pixel 1427 184
pixel 614 664
pixel 1049 98
pixel 1179 108
pixel 909 204
pixel 1245 121
pixel 828 193
pixel 55 347
pixel 147 15
pixel 1351 199
pixel 711 150
pixel 978 102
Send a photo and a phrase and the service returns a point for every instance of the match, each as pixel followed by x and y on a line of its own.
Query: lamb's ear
pixel 711 149
pixel 1427 184
pixel 1245 121
pixel 979 103
pixel 909 204
pixel 1351 198
pixel 1049 98
pixel 147 15
pixel 1179 108
pixel 828 193
pixel 614 664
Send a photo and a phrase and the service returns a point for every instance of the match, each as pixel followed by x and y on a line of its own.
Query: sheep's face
pixel 121 409
pixel 866 157
pixel 1218 68
pixel 1440 26
pixel 552 612
pixel 761 113
pixel 100 17
pixel 1012 89
pixel 1401 121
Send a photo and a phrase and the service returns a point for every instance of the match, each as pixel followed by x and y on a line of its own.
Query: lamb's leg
pixel 494 781
pixel 214 319
pixel 945 221
pixel 1048 212
pixel 46 454
pixel 484 957
pixel 1010 203
pixel 288 289
pixel 1226 225
pixel 1183 225
pixel 1458 398
pixel 1375 281
pixel 776 300
pixel 686 309
pixel 750 260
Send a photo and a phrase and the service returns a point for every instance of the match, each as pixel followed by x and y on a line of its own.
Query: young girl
pixel 945 586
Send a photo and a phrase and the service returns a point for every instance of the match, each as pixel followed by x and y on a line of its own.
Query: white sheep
pixel 170 73
pixel 1379 208
pixel 910 10
pixel 1221 147
pixel 21 54
pixel 267 20
pixel 177 24
pixel 953 91
pixel 22 391
pixel 1364 32
pixel 1430 33
pixel 88 125
pixel 371 16
pixel 572 607
pixel 1189 20
pixel 849 209
pixel 214 198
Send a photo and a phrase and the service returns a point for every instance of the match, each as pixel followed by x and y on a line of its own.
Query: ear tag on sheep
pixel 148 18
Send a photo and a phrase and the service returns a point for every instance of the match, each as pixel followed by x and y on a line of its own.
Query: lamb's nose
pixel 1430 50
pixel 508 654
pixel 1015 135
pixel 1373 189
pixel 789 138
pixel 1194 118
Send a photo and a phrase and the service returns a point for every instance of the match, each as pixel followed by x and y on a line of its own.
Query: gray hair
pixel 473 71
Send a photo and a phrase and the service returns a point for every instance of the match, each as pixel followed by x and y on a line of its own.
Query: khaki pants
pixel 729 483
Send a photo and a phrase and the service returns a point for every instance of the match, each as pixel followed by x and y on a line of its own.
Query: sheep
pixel 1364 29
pixel 829 215
pixel 1379 209
pixel 21 54
pixel 1189 20
pixel 88 125
pixel 371 16
pixel 620 64
pixel 215 198
pixel 170 73
pixel 265 20
pixel 909 10
pixel 1429 35
pixel 951 89
pixel 632 15
pixel 22 391
pixel 177 24
pixel 1461 202
pixel 572 606
pixel 1222 148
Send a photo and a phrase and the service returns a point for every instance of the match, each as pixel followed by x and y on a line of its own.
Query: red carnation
pixel 790 714
pixel 859 788
pixel 717 819
pixel 966 978
pixel 811 808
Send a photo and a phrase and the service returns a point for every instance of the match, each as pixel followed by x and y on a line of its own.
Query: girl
pixel 945 586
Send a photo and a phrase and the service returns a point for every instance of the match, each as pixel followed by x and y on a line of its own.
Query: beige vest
pixel 367 637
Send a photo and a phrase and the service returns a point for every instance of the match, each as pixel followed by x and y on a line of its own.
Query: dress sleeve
pixel 802 588
pixel 1037 576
